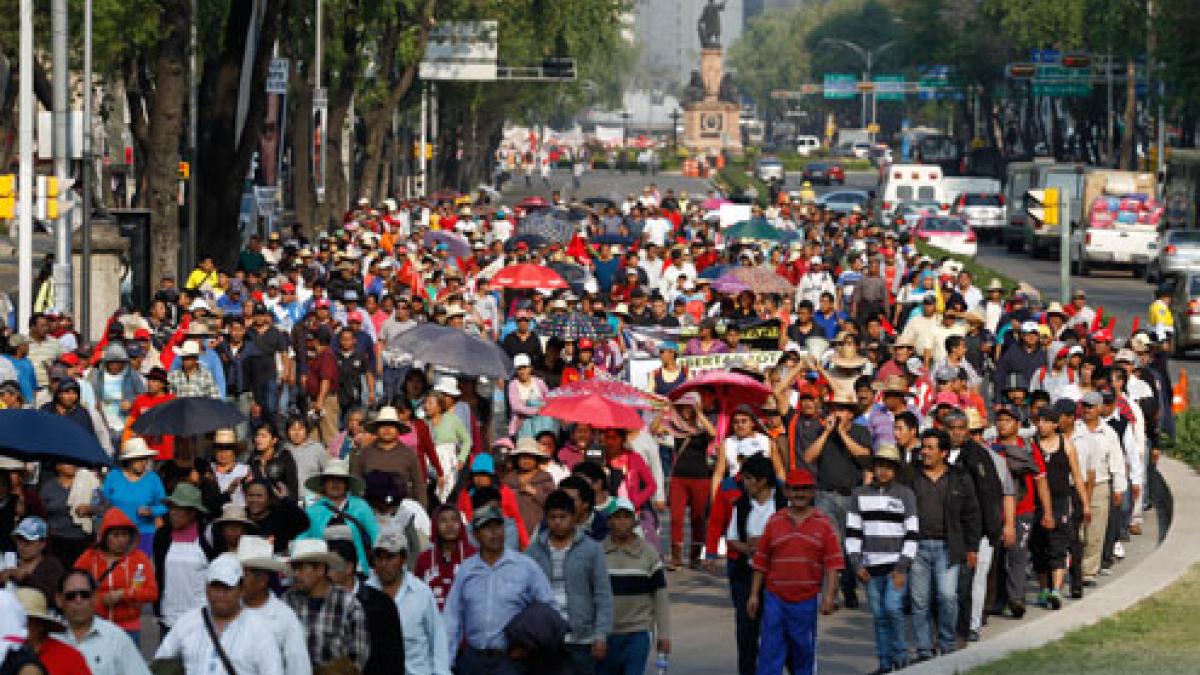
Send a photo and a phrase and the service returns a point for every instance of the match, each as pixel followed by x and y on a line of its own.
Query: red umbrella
pixel 614 390
pixel 533 202
pixel 595 409
pixel 731 391
pixel 528 276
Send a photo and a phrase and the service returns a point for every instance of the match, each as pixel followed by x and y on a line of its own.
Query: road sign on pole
pixel 889 87
pixel 840 86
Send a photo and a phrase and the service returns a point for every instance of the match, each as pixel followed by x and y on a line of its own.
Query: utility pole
pixel 422 168
pixel 62 159
pixel 85 173
pixel 25 177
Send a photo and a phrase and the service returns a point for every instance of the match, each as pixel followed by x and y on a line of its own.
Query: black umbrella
pixel 533 241
pixel 548 226
pixel 188 416
pixel 612 240
pixel 33 435
pixel 573 274
pixel 455 349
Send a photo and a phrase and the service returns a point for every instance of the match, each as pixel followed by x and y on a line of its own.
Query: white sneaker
pixel 1119 550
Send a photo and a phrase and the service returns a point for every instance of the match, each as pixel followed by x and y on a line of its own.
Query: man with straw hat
pixel 340 499
pixel 55 655
pixel 881 540
pixel 389 455
pixel 260 571
pixel 221 631
pixel 334 621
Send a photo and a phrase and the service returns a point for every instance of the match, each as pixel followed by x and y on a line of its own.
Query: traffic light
pixel 47 198
pixel 1043 205
pixel 185 170
pixel 8 196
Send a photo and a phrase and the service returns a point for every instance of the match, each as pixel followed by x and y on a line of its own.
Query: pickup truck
pixel 1126 247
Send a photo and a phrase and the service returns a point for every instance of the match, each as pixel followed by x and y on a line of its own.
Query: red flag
pixel 1137 320
pixel 1098 321
pixel 887 325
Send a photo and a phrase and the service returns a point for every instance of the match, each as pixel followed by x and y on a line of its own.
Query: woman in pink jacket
pixel 633 479
pixel 526 396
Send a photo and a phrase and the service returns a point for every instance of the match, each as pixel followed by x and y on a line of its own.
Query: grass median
pixel 983 274
pixel 1157 635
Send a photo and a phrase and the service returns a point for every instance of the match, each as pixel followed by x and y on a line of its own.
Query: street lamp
pixel 868 56
pixel 624 137
pixel 675 115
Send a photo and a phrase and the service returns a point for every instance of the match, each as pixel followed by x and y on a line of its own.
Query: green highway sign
pixel 840 86
pixel 889 87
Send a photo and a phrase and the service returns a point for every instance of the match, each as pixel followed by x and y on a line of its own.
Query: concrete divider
pixel 1170 561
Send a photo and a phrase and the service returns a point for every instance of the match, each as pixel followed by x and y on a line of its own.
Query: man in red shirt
pixel 321 386
pixel 798 557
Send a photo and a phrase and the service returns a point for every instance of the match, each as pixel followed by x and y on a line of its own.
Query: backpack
pixel 350 370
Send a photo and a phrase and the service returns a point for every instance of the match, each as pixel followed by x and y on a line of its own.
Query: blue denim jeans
pixel 627 654
pixel 933 573
pixel 887 608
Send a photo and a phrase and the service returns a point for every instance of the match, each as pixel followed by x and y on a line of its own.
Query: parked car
pixel 825 173
pixel 949 233
pixel 861 149
pixel 1175 251
pixel 769 169
pixel 879 155
pixel 807 145
pixel 844 201
pixel 907 214
pixel 1185 307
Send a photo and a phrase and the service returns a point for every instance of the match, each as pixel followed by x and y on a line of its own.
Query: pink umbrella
pixel 731 390
pixel 614 390
pixel 714 203
pixel 598 411
pixel 528 276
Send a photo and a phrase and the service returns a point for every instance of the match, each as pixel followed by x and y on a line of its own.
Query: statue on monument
pixel 709 26
pixel 695 89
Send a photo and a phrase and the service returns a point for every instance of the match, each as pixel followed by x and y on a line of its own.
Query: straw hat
pixel 843 397
pixel 849 362
pixel 975 420
pixel 189 348
pixel 233 513
pixel 336 468
pixel 387 415
pixel 256 553
pixel 448 386
pixel 529 446
pixel 33 601
pixel 225 437
pixel 888 452
pixel 892 384
pixel 135 448
pixel 314 551
pixel 995 285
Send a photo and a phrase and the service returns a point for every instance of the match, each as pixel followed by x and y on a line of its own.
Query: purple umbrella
pixel 728 283
pixel 457 245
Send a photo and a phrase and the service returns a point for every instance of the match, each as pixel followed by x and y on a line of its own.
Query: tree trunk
pixel 224 155
pixel 377 120
pixel 1129 137
pixel 161 180
pixel 330 212
pixel 300 97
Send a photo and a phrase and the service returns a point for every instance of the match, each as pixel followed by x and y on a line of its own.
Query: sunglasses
pixel 77 595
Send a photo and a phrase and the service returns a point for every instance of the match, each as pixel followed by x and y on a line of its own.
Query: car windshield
pixel 856 197
pixel 944 225
pixel 981 200
pixel 1184 237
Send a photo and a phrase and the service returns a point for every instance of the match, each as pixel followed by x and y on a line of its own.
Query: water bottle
pixel 139 577
pixel 661 664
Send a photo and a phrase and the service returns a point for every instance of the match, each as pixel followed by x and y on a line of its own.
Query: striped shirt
pixel 794 555
pixel 882 528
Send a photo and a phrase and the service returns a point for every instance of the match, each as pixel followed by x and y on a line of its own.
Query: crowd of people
pixel 952 452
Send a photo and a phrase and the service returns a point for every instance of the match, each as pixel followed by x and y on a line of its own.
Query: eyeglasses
pixel 77 595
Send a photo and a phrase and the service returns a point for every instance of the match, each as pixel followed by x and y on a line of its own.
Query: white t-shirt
pixel 657 230
pixel 737 450
pixel 184 580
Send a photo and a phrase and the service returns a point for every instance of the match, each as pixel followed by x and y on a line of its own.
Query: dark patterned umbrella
pixel 457 245
pixel 575 326
pixel 533 241
pixel 548 226
pixel 188 416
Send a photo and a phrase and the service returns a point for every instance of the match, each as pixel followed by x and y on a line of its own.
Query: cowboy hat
pixel 336 468
pixel 844 398
pixel 256 553
pixel 314 551
pixel 888 452
pixel 225 437
pixel 135 448
pixel 995 285
pixel 850 362
pixel 975 420
pixel 529 446
pixel 189 348
pixel 448 386
pixel 893 383
pixel 387 415
pixel 1055 308
pixel 33 601
pixel 233 513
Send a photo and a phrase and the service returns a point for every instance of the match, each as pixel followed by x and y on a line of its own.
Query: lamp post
pixel 624 137
pixel 675 115
pixel 868 56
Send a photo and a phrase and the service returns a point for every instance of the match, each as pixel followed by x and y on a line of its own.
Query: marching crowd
pixel 877 422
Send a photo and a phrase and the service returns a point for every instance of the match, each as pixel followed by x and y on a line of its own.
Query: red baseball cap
pixel 288 287
pixel 321 302
pixel 141 334
pixel 800 477
pixel 1102 336
pixel 586 344
pixel 70 358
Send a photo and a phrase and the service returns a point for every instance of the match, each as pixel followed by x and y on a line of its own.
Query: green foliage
pixel 983 275
pixel 1186 447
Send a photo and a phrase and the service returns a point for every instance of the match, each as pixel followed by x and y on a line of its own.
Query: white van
pixel 807 145
pixel 911 182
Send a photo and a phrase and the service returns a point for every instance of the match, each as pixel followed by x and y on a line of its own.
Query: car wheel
pixel 1178 347
pixel 1013 245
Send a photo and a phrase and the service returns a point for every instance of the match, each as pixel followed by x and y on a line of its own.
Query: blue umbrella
pixel 714 271
pixel 574 275
pixel 533 241
pixel 455 349
pixel 34 435
pixel 456 244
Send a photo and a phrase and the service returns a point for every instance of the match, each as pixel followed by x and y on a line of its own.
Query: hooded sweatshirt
pixel 438 569
pixel 132 573
pixel 484 464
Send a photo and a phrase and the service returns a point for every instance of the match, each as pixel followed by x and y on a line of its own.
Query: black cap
pixel 1010 410
pixel 1065 406
pixel 1048 413
pixel 261 309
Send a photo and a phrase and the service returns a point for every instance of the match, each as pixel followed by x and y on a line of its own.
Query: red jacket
pixel 508 506
pixel 132 573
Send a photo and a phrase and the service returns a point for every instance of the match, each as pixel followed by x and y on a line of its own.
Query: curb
pixel 1170 561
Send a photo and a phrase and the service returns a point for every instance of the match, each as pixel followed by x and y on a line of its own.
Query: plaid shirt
pixel 336 629
pixel 201 383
